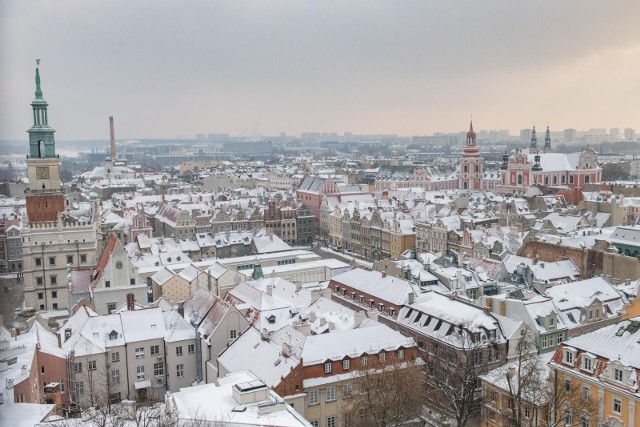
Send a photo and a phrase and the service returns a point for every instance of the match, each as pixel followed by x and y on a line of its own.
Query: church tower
pixel 44 197
pixel 547 141
pixel 471 164
pixel 534 141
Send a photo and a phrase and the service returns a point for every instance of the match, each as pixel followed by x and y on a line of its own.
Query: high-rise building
pixel 570 135
pixel 56 243
pixel 629 134
pixel 614 134
pixel 525 136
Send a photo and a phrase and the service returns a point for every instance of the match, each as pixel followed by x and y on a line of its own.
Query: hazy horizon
pixel 165 69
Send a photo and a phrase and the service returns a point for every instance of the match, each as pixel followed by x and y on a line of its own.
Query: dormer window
pixel 618 375
pixel 569 356
pixel 113 335
pixel 588 362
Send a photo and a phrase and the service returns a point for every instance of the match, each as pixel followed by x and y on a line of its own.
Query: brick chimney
pixel 131 302
pixel 452 296
pixel 384 274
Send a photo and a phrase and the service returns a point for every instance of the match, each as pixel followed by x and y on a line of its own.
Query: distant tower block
pixel 113 139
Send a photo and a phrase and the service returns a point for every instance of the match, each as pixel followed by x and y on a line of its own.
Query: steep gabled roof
pixel 104 258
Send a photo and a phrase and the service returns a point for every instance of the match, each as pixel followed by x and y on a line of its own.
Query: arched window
pixel 519 179
pixel 477 168
pixel 40 153
pixel 465 185
pixel 466 168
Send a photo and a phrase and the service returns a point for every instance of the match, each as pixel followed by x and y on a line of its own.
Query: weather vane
pixel 38 61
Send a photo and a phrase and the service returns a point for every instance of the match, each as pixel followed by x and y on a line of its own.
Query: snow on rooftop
pixel 262 357
pixel 352 343
pixel 24 414
pixel 195 403
pixel 454 312
pixel 142 325
pixel 388 288
pixel 620 341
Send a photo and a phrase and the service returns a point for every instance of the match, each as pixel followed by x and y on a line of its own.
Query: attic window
pixel 271 319
pixel 569 356
pixel 178 259
pixel 113 335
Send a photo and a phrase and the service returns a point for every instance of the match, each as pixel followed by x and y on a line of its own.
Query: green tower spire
pixel 41 142
pixel 547 140
pixel 534 139
pixel 38 89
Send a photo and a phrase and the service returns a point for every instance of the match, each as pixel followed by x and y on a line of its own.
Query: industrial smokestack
pixel 113 139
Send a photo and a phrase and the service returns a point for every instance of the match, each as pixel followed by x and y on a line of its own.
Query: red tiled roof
pixel 104 258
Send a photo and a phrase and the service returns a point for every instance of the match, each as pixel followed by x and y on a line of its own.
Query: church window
pixel 519 179
pixel 466 168
pixel 477 168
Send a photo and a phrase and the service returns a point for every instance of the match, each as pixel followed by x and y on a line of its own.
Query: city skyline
pixel 365 68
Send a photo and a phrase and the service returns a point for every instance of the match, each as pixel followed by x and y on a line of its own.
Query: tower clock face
pixel 42 173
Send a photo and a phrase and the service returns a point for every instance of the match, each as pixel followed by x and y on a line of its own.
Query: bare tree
pixel 534 395
pixel 453 368
pixel 392 396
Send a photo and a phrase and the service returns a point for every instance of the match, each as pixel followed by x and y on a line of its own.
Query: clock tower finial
pixel 38 89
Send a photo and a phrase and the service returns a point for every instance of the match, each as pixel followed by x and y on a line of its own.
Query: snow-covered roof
pixel 24 414
pixel 270 243
pixel 141 325
pixel 386 288
pixel 574 297
pixel 352 343
pixel 620 342
pixel 194 403
pixel 262 357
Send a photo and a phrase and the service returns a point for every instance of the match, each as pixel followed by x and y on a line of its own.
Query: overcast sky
pixel 167 68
